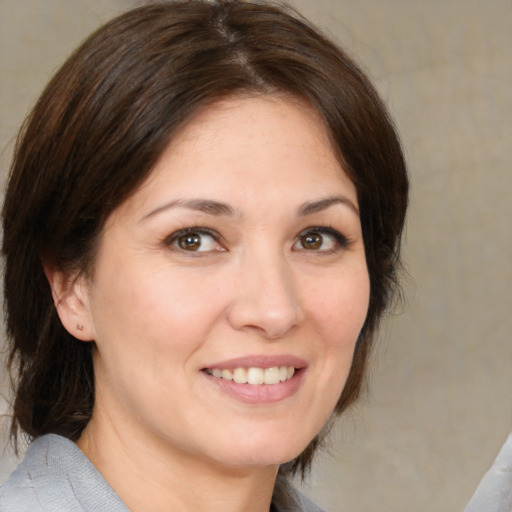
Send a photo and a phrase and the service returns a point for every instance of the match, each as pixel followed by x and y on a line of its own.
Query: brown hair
pixel 96 133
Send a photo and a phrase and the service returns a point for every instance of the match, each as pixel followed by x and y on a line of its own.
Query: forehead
pixel 249 149
pixel 234 124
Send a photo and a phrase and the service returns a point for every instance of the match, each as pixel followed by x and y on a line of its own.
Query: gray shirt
pixel 494 494
pixel 55 476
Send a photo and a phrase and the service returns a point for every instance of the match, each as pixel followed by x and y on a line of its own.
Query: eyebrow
pixel 208 206
pixel 311 207
pixel 217 208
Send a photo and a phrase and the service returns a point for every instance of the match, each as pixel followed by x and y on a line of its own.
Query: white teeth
pixel 226 374
pixel 240 375
pixel 272 375
pixel 255 376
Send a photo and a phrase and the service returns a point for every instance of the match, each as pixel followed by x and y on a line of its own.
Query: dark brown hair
pixel 100 126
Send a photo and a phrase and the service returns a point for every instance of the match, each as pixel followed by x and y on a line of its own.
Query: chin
pixel 261 454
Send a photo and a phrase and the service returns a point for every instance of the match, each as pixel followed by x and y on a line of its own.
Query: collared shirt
pixel 56 476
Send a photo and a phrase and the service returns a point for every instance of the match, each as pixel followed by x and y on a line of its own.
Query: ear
pixel 70 296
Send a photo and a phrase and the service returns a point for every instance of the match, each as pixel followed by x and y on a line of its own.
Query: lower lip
pixel 260 393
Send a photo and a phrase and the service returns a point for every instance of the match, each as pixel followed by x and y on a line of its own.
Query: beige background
pixel 440 402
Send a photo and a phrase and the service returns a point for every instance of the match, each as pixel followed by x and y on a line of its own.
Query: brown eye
pixel 321 239
pixel 195 240
pixel 189 242
pixel 311 241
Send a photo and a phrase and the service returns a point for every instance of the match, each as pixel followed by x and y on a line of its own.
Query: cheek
pixel 152 310
pixel 340 308
pixel 340 312
pixel 147 330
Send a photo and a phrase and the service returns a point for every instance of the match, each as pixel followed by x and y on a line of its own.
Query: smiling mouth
pixel 254 375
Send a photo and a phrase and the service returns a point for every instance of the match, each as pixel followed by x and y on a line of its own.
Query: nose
pixel 265 299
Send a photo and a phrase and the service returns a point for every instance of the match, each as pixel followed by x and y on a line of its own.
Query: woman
pixel 201 233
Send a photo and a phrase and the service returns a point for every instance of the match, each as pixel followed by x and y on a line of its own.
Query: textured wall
pixel 440 401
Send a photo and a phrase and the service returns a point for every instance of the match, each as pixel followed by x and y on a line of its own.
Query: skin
pixel 163 433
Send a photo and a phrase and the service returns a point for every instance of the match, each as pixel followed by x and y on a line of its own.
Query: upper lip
pixel 260 361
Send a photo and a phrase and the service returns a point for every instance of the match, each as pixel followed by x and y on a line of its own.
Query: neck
pixel 148 475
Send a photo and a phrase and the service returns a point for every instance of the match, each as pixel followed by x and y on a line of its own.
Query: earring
pixel 80 327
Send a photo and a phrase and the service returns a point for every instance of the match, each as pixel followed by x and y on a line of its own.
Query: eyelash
pixel 172 240
pixel 340 240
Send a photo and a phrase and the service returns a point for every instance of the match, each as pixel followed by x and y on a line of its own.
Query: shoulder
pixel 494 493
pixel 22 489
pixel 306 505
pixel 288 499
pixel 56 476
pixel 18 495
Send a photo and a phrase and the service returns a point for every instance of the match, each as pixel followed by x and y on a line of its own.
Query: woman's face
pixel 240 258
